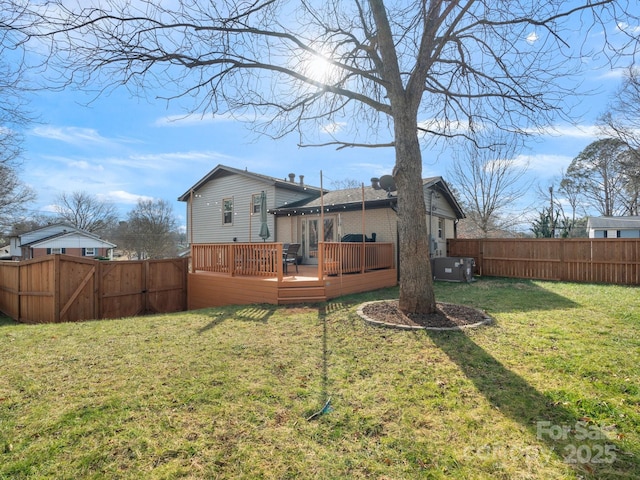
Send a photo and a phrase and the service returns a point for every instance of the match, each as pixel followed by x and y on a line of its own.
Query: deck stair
pixel 301 292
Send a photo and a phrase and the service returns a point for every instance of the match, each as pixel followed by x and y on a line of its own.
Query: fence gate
pixel 63 288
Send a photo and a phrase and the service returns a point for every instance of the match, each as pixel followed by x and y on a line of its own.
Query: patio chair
pixel 291 256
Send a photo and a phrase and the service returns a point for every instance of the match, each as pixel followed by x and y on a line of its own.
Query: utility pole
pixel 551 216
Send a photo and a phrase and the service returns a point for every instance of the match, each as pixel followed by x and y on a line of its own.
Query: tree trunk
pixel 416 280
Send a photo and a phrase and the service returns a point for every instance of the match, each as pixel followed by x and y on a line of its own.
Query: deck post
pixel 280 266
pixel 231 252
pixel 320 260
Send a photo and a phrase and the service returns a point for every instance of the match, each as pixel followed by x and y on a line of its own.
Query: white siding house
pixel 613 227
pixel 58 238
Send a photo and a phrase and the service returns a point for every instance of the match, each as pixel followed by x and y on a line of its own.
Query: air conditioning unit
pixel 453 269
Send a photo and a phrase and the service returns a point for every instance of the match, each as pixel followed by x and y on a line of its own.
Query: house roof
pixel 69 231
pixel 351 199
pixel 614 222
pixel 223 170
pixel 43 241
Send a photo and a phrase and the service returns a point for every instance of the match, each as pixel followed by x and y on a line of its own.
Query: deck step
pixel 301 291
pixel 293 300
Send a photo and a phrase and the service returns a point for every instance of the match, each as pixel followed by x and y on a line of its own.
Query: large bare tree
pixel 389 74
pixel 151 230
pixel 490 179
pixel 86 211
pixel 622 120
pixel 605 175
pixel 14 117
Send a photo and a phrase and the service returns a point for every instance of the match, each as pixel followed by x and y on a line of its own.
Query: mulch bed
pixel 447 316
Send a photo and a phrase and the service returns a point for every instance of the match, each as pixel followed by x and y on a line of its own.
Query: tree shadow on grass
pixel 8 321
pixel 563 431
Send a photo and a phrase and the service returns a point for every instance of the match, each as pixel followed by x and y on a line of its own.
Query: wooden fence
pixel 63 288
pixel 591 260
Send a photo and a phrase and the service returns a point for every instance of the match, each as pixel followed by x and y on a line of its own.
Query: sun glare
pixel 319 68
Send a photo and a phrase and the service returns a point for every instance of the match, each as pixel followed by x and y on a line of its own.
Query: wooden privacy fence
pixel 593 260
pixel 63 288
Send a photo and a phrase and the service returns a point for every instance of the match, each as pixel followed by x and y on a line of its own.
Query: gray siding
pixel 208 226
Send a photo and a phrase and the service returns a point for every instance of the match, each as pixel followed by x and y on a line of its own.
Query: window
pixel 89 252
pixel 440 227
pixel 227 211
pixel 55 251
pixel 255 204
pixel 629 234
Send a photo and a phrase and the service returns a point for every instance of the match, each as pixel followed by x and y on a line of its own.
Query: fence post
pixel 563 267
pixel 18 292
pixel 185 280
pixel 56 288
pixel 97 290
pixel 145 285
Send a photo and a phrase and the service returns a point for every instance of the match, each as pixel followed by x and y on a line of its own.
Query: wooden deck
pixel 233 282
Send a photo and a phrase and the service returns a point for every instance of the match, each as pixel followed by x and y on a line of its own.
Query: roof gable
pixel 223 170
pixel 78 237
pixel 59 230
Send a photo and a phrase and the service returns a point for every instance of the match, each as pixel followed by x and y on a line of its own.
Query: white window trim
pixel 224 202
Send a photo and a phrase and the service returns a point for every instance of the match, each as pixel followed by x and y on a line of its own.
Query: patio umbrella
pixel 264 228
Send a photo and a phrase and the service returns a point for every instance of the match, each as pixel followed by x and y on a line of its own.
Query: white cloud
pixel 84 165
pixel 72 135
pixel 333 128
pixel 573 131
pixel 627 28
pixel 120 196
pixel 532 38
pixel 545 165
pixel 613 74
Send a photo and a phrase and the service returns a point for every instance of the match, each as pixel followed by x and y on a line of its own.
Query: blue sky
pixel 122 148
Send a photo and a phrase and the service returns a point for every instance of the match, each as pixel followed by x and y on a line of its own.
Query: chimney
pixel 375 184
pixel 292 177
pixel 302 180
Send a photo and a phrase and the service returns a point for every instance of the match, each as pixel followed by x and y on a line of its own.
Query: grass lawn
pixel 550 391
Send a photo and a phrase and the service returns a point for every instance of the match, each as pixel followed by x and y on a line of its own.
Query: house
pixel 614 227
pixel 224 207
pixel 348 237
pixel 58 238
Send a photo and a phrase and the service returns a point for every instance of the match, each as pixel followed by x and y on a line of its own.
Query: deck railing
pixel 357 257
pixel 265 259
pixel 253 259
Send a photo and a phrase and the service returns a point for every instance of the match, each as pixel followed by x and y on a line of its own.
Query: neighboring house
pixel 59 238
pixel 613 227
pixel 224 207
